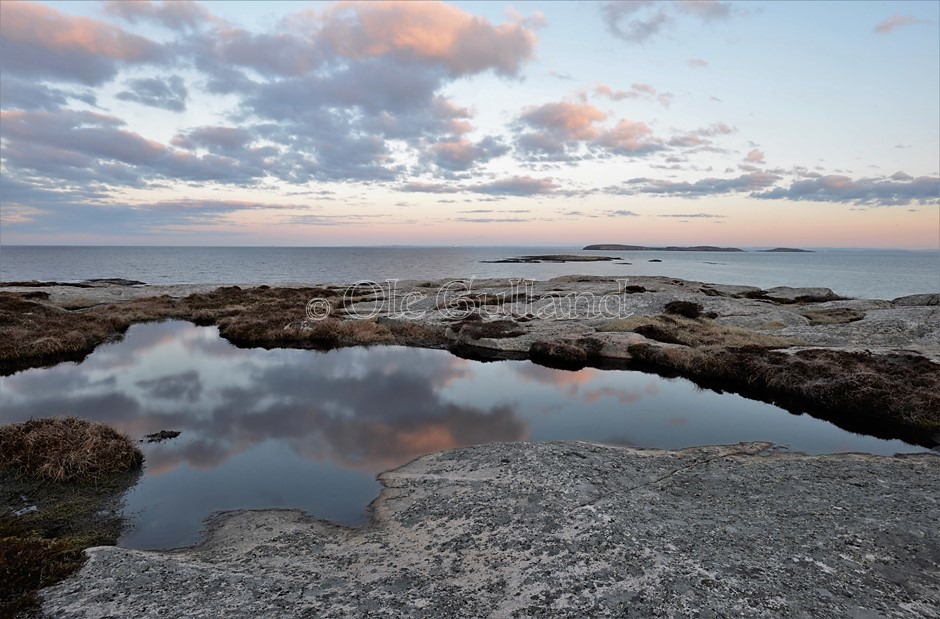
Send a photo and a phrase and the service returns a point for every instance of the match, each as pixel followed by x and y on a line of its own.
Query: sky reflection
pixel 310 430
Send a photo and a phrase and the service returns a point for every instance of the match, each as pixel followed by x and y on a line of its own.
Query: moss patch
pixel 696 333
pixel 833 316
pixel 56 499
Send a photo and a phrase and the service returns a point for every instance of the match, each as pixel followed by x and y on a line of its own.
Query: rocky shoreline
pixel 563 530
pixel 558 529
pixel 867 365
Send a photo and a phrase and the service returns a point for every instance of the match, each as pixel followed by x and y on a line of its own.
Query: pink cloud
pixel 755 156
pixel 897 21
pixel 36 39
pixel 637 91
pixel 628 137
pixel 434 32
pixel 571 121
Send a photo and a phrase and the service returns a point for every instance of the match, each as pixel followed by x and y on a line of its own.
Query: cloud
pixel 77 210
pixel 697 63
pixel 636 91
pixel 29 95
pixel 693 216
pixel 512 186
pixel 621 213
pixel 565 120
pixel 644 19
pixel 629 138
pixel 430 31
pixel 175 14
pixel 638 21
pixel 338 85
pixel 707 186
pixel 462 154
pixel 755 156
pixel 90 147
pixel 37 41
pixel 900 189
pixel 706 10
pixel 517 186
pixel 534 21
pixel 896 21
pixel 557 129
pixel 699 139
pixel 561 76
pixel 491 220
pixel 322 96
pixel 168 94
pixel 561 128
pixel 88 134
pixel 214 138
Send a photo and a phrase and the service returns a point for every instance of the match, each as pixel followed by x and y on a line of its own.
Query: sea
pixel 876 274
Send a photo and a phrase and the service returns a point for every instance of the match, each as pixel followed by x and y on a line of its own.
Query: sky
pixel 805 124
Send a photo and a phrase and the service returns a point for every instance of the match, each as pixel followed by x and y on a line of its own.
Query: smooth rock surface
pixel 564 530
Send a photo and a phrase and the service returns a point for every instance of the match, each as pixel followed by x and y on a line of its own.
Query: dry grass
pixel 566 354
pixel 66 449
pixel 695 333
pixel 38 333
pixel 903 389
pixel 687 309
pixel 41 547
pixel 28 564
pixel 34 333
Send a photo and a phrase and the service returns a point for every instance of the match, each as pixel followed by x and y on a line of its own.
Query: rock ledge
pixel 563 530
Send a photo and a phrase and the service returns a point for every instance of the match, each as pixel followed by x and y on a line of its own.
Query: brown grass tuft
pixel 688 309
pixel 898 388
pixel 66 449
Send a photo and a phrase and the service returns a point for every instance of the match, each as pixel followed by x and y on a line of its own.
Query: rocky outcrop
pixel 738 338
pixel 918 300
pixel 563 530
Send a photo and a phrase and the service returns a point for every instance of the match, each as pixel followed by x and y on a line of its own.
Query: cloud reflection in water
pixel 304 429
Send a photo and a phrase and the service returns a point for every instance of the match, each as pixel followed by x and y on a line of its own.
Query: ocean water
pixel 869 274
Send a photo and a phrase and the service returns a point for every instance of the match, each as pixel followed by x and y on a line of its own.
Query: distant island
pixel 615 247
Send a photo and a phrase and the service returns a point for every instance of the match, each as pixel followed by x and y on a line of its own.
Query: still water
pixel 310 430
